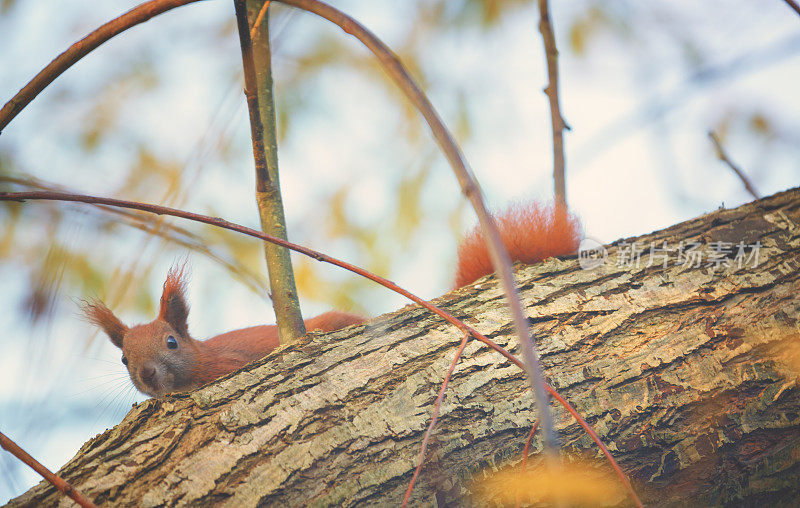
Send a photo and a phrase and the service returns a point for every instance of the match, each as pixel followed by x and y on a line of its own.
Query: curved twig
pixel 80 49
pixel 222 223
pixel 723 156
pixel 793 5
pixel 57 481
pixel 528 444
pixel 436 406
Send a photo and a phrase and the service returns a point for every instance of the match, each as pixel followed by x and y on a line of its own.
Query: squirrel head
pixel 160 355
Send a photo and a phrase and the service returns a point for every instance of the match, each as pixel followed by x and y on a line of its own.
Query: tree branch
pixel 54 479
pixel 436 407
pixel 793 5
pixel 723 156
pixel 261 109
pixel 557 121
pixel 83 47
pixel 218 222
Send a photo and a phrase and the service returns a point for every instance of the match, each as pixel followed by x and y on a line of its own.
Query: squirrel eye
pixel 172 343
pixel 124 360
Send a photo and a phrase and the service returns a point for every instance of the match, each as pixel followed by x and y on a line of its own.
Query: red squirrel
pixel 162 357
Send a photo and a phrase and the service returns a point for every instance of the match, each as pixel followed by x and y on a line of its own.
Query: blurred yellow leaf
pixel 577 483
pixel 760 124
pixel 336 217
pixel 409 213
pixel 588 24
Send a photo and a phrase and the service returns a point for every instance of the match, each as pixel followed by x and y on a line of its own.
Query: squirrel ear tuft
pixel 174 309
pixel 96 312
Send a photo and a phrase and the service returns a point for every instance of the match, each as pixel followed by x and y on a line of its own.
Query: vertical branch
pixel 559 125
pixel 261 106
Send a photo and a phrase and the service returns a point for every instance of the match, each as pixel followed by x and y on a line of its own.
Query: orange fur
pixel 232 350
pixel 98 314
pixel 531 232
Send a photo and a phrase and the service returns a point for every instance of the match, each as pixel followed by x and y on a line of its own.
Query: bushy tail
pixel 531 232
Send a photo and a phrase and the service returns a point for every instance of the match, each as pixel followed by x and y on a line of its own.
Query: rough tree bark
pixel 689 374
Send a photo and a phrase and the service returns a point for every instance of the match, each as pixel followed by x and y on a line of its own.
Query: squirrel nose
pixel 148 374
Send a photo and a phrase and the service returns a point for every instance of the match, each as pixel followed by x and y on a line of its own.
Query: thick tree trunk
pixel 689 374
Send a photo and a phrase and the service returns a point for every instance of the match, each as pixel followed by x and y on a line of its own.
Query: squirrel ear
pixel 174 309
pixel 96 312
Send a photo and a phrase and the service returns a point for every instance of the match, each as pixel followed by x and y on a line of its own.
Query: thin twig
pixel 528 445
pixel 65 60
pixel 57 481
pixel 528 441
pixel 436 407
pixel 593 435
pixel 259 18
pixel 557 120
pixel 222 223
pixel 176 234
pixel 727 160
pixel 794 6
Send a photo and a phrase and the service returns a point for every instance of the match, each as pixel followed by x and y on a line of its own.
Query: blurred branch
pixel 261 107
pixel 727 160
pixel 57 481
pixel 794 6
pixel 165 230
pixel 558 123
pixel 83 47
pixel 222 223
pixel 658 107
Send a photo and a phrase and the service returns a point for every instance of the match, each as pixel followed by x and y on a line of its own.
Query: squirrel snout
pixel 148 374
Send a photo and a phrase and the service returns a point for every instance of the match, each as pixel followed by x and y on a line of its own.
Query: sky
pixel 640 99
